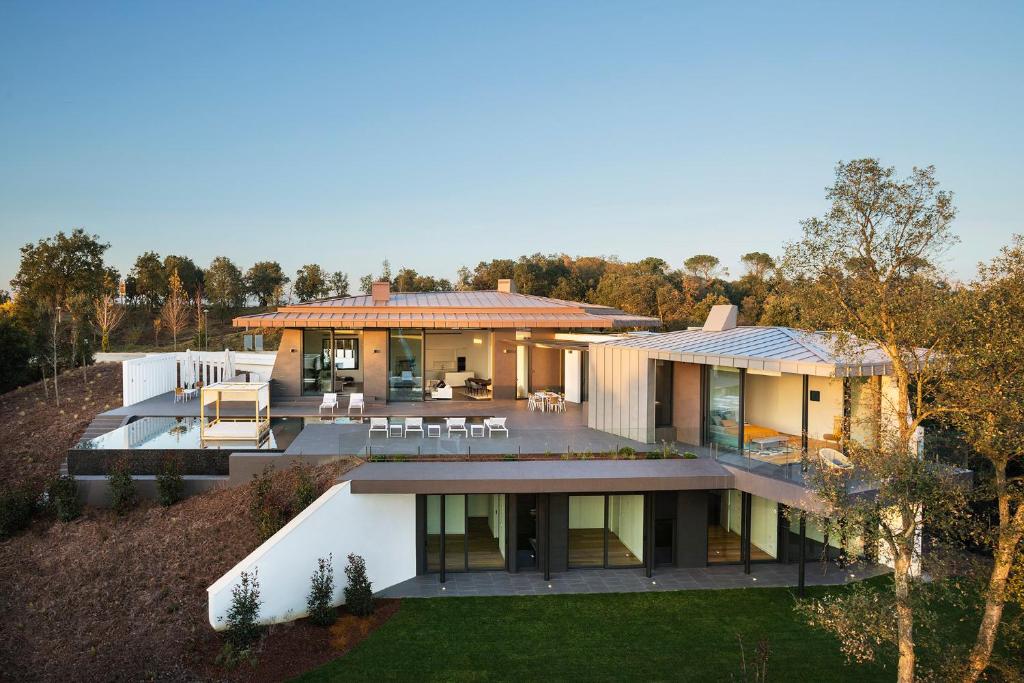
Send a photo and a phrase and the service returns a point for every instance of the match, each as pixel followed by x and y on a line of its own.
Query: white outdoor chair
pixel 413 424
pixel 496 424
pixel 456 424
pixel 379 424
pixel 330 401
pixel 832 458
pixel 558 405
pixel 356 401
pixel 531 402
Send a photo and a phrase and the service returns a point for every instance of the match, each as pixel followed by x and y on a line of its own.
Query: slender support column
pixel 649 534
pixel 805 414
pixel 442 538
pixel 544 499
pixel 742 416
pixel 745 528
pixel 802 554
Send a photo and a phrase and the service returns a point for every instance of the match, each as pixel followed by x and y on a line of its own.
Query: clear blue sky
pixel 442 134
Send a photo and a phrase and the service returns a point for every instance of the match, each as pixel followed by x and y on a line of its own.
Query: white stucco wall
pixel 572 359
pixel 379 527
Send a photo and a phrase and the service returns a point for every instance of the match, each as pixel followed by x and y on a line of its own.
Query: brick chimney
pixel 506 285
pixel 381 292
pixel 722 317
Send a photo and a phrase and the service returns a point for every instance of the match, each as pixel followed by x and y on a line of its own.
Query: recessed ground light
pixel 654 583
pixel 549 585
pixel 443 588
pixel 754 577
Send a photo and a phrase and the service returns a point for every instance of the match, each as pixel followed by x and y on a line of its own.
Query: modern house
pixel 754 409
pixel 416 346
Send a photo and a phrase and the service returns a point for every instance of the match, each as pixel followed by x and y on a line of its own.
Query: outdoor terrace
pixel 532 435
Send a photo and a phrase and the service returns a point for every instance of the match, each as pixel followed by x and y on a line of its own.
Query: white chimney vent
pixel 506 285
pixel 721 318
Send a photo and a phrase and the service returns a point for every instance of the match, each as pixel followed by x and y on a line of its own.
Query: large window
pixel 725 527
pixel 663 393
pixel 405 365
pixel 606 531
pixel 723 409
pixel 474 532
pixel 316 362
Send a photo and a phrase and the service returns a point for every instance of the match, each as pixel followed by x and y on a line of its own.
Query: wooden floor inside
pixel 724 547
pixel 586 549
pixel 484 551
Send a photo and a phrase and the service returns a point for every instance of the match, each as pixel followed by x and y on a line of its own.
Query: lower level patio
pixel 768 575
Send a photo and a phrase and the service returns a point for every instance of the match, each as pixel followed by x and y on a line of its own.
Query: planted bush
pixel 320 601
pixel 170 486
pixel 123 496
pixel 263 508
pixel 17 506
pixel 63 496
pixel 359 591
pixel 305 488
pixel 243 629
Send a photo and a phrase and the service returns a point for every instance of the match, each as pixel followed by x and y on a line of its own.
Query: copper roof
pixel 447 310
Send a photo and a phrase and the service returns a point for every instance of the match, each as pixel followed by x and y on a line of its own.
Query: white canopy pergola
pixel 252 427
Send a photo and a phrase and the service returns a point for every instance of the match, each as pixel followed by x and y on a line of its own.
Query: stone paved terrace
pixel 768 575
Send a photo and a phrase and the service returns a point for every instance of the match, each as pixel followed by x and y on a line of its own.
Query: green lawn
pixel 688 635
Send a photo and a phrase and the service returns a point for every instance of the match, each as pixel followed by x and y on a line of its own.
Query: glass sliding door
pixel 626 530
pixel 474 532
pixel 455 533
pixel 348 372
pixel 606 531
pixel 586 531
pixel 316 362
pixel 723 410
pixel 405 365
pixel 485 531
pixel 663 393
pixel 433 533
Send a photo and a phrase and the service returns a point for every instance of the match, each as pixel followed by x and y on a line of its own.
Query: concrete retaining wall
pixel 94 490
pixel 379 527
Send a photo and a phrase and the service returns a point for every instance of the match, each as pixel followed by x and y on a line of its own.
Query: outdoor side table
pixel 434 430
pixel 395 429
pixel 476 430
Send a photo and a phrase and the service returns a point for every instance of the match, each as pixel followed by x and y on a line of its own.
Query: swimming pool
pixel 182 433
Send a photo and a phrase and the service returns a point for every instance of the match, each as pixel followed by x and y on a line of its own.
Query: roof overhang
pixel 560 344
pixel 539 476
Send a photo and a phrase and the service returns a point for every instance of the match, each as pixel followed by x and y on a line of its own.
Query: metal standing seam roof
pixel 780 349
pixel 447 309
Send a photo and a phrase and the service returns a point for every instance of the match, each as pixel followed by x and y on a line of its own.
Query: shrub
pixel 359 591
pixel 243 630
pixel 305 488
pixel 123 496
pixel 265 513
pixel 16 509
pixel 63 496
pixel 321 594
pixel 689 455
pixel 170 486
pixel 627 450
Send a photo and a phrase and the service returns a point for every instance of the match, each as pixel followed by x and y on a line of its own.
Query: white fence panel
pixel 157 373
pixel 143 378
pixel 381 527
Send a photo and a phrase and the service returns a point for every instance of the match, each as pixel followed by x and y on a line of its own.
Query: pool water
pixel 169 433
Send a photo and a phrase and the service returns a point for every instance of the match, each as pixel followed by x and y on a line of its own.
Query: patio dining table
pixel 547 399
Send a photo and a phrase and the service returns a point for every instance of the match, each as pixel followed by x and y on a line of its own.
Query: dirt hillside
pixel 35 434
pixel 103 597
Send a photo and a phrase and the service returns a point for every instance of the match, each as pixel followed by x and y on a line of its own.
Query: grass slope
pixel 689 635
